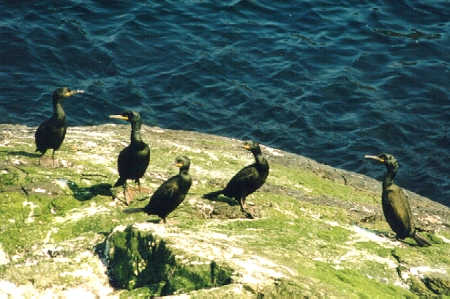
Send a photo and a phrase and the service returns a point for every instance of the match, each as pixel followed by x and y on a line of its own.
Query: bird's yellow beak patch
pixel 179 164
pixel 374 158
pixel 119 117
pixel 72 92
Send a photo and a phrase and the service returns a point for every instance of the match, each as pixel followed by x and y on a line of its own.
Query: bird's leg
pixel 53 158
pixel 241 201
pixel 141 189
pixel 139 185
pixel 243 209
pixel 130 197
pixel 129 191
pixel 41 155
pixel 164 220
pixel 125 192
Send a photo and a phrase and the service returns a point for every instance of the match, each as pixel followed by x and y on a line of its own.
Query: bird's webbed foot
pixel 244 209
pixel 128 194
pixel 121 201
pixel 44 161
pixel 248 214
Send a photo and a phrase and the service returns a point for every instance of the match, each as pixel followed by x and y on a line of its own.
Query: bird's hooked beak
pixel 72 92
pixel 247 146
pixel 374 158
pixel 178 164
pixel 119 117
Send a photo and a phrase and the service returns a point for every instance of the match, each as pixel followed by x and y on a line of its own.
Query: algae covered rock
pixel 139 259
pixel 438 284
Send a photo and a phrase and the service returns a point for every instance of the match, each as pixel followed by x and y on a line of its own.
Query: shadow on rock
pixel 23 153
pixel 87 193
pixel 154 220
pixel 222 198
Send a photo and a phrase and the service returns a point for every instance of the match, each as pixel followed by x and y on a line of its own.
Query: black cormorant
pixel 172 192
pixel 395 205
pixel 50 134
pixel 247 180
pixel 133 160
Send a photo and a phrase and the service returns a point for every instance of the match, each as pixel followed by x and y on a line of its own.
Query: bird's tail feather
pixel 421 241
pixel 212 195
pixel 133 210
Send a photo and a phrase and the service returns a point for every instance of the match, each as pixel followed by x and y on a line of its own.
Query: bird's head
pixel 130 116
pixel 387 159
pixel 182 162
pixel 252 146
pixel 65 92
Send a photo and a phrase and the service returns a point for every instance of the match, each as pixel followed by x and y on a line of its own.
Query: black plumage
pixel 247 180
pixel 134 159
pixel 172 192
pixel 396 208
pixel 50 133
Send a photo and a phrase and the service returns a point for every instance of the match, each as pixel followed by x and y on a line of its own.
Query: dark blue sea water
pixel 331 80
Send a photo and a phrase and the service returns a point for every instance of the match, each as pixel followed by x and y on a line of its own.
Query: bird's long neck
pixel 184 171
pixel 186 179
pixel 58 111
pixel 389 176
pixel 136 132
pixel 261 162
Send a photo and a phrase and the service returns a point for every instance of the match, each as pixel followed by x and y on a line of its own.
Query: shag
pixel 172 192
pixel 395 204
pixel 133 160
pixel 247 180
pixel 50 133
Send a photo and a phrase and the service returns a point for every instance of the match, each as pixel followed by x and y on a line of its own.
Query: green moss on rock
pixel 438 284
pixel 138 259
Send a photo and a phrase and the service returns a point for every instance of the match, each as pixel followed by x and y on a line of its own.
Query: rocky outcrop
pixel 139 258
pixel 318 231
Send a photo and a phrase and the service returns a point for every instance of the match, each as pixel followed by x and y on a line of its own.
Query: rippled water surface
pixel 331 80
